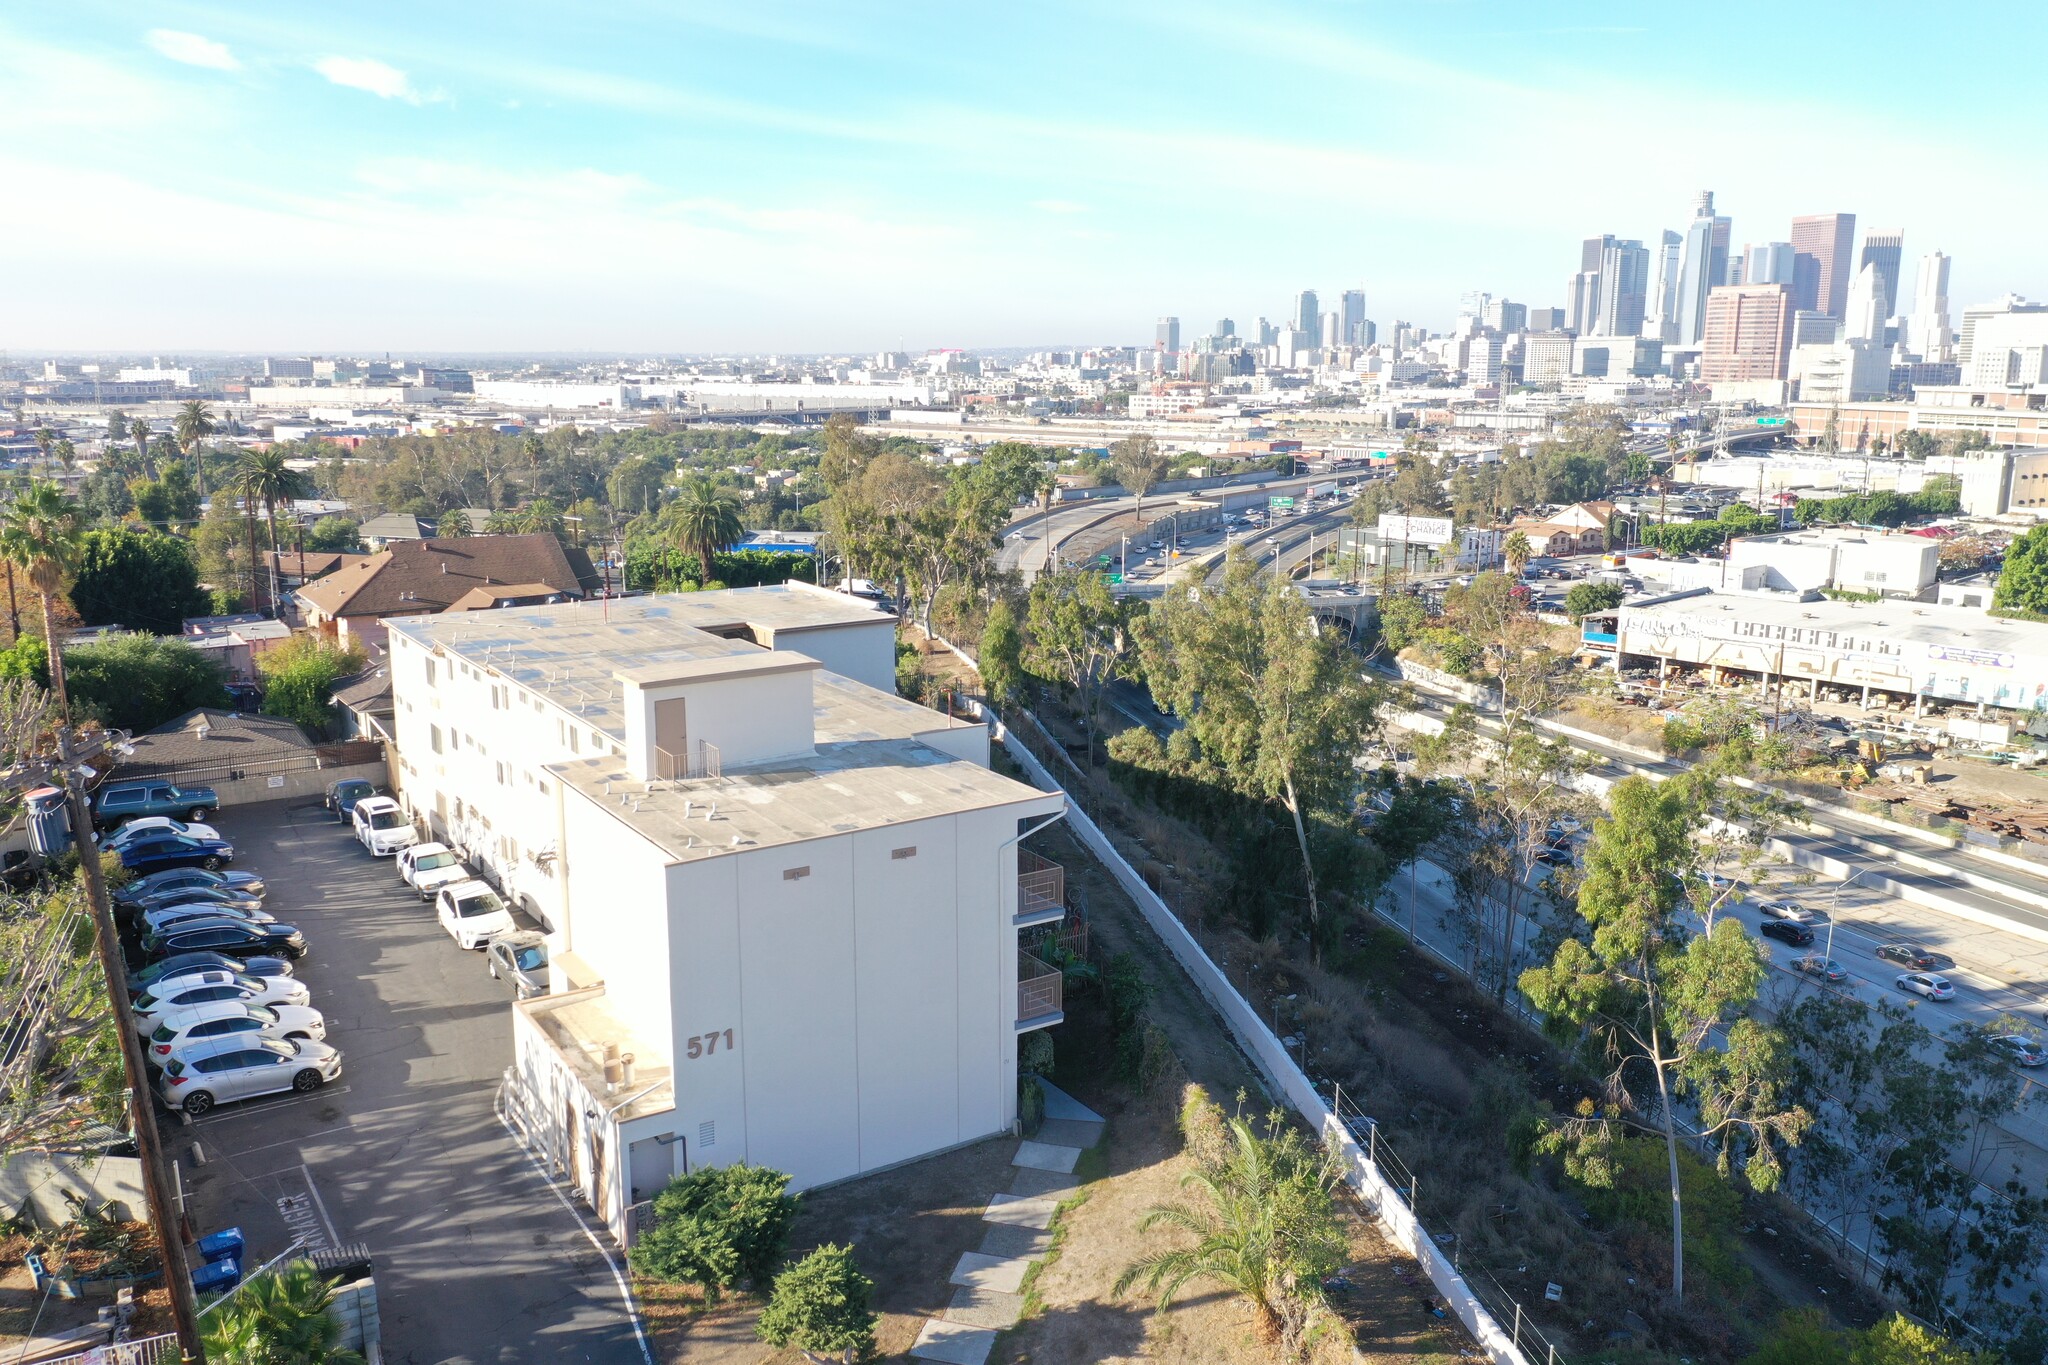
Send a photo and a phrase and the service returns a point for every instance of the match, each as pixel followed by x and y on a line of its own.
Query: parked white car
pixel 145 824
pixel 472 912
pixel 233 1069
pixel 206 988
pixel 231 1019
pixel 381 826
pixel 426 868
pixel 171 914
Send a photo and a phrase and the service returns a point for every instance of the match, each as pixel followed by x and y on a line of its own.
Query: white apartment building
pixel 782 904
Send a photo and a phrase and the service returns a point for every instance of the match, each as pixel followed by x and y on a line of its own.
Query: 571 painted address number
pixel 704 1044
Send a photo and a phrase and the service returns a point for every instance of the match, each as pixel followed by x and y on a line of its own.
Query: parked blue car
pixel 160 853
pixel 343 795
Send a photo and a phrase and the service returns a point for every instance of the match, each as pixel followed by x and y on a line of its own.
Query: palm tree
pixel 195 423
pixel 41 532
pixel 706 520
pixel 45 438
pixel 1518 552
pixel 139 429
pixel 281 1317
pixel 453 523
pixel 1265 1226
pixel 67 454
pixel 502 523
pixel 263 475
pixel 542 516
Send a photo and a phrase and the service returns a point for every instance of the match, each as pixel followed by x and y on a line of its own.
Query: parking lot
pixel 478 1258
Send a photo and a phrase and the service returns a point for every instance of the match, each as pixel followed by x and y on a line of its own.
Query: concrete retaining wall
pixel 1286 1079
pixel 39 1181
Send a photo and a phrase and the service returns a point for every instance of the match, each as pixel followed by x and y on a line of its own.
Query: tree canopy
pixel 137 682
pixel 144 580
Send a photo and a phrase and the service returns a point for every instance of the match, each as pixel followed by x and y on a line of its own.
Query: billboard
pixel 1415 530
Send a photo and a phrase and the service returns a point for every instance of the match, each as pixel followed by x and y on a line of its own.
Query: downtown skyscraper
pixel 1702 267
pixel 1820 262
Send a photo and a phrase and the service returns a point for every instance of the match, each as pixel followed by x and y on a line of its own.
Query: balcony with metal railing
pixel 1041 890
pixel 1040 996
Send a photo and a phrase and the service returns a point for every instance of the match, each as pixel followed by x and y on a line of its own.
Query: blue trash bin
pixel 225 1245
pixel 216 1277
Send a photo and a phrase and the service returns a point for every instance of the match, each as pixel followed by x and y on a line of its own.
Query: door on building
pixel 651 1165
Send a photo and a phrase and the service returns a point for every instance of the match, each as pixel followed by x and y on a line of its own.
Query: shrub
pixel 299 678
pixel 137 682
pixel 718 1227
pixel 820 1307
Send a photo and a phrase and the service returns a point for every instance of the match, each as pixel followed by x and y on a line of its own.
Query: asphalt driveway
pixel 478 1258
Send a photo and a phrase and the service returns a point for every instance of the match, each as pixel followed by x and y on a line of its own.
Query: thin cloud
pixel 192 50
pixel 1058 206
pixel 367 74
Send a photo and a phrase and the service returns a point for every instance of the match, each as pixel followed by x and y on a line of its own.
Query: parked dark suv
pixel 118 801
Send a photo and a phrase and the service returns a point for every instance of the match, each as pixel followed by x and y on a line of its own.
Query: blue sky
pixel 641 176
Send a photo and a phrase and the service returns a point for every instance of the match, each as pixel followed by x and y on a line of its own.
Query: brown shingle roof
pixel 317 563
pixel 423 577
pixel 230 738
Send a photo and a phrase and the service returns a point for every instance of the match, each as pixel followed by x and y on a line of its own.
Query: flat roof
pixel 1925 623
pixel 573 652
pixel 579 1024
pixel 847 786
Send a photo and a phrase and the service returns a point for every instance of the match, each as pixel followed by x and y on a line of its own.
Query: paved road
pixel 477 1258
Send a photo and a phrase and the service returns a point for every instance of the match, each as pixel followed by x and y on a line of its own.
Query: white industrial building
pixel 1897 564
pixel 1924 651
pixel 534 393
pixel 782 903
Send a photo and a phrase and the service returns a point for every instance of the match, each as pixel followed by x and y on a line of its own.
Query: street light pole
pixel 170 1234
pixel 1835 904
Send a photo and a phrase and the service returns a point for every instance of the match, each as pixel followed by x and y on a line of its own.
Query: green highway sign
pixel 1770 421
pixel 1116 578
pixel 1280 502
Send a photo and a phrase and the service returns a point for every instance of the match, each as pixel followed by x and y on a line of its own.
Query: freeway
pixel 2008 900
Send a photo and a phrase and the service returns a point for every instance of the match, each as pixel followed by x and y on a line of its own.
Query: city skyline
pixel 214 177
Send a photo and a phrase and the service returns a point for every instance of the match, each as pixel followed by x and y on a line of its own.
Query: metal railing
pixel 1039 989
pixel 1504 1304
pixel 146 1351
pixel 1041 884
pixel 703 763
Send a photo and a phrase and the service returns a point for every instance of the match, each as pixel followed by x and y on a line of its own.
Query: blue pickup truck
pixel 118 801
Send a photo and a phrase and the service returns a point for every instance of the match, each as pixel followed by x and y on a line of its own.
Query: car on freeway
pixel 1790 911
pixel 1787 931
pixel 1826 968
pixel 185 964
pixel 426 868
pixel 2023 1050
pixel 1714 880
pixel 1926 985
pixel 472 912
pixel 167 997
pixel 118 801
pixel 381 826
pixel 145 824
pixel 1552 855
pixel 182 878
pixel 521 957
pixel 1909 955
pixel 342 796
pixel 159 852
pixel 163 916
pixel 220 934
pixel 230 1019
pixel 229 1069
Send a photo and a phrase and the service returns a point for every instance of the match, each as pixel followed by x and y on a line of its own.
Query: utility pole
pixel 170 1234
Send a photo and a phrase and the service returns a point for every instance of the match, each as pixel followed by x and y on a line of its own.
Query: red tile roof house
pixel 427 577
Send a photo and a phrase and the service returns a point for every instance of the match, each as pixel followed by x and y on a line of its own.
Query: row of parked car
pixel 472 912
pixel 215 995
pixel 211 980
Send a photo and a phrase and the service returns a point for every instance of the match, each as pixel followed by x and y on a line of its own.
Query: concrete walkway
pixel 987 1299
